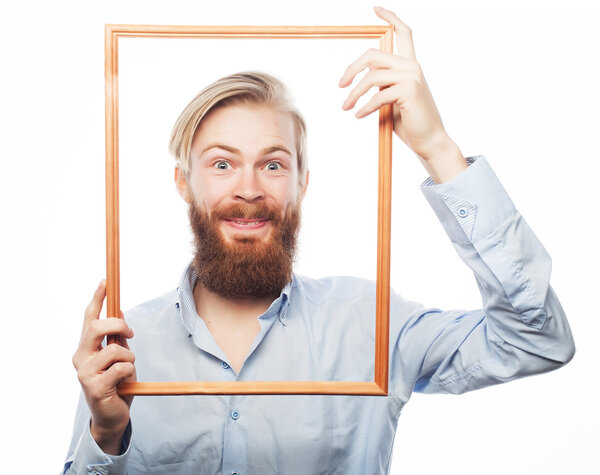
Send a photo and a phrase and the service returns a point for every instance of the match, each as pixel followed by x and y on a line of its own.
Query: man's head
pixel 244 178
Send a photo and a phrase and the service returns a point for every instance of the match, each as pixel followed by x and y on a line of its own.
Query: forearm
pixel 109 441
pixel 84 451
pixel 443 160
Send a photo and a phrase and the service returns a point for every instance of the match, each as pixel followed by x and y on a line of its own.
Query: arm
pixel 85 455
pixel 521 329
pixel 102 429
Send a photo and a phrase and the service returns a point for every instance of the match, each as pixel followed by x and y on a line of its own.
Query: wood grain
pixel 251 387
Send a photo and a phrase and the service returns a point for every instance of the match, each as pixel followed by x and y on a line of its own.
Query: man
pixel 239 312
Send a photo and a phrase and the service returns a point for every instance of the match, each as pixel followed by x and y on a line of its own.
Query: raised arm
pixel 521 328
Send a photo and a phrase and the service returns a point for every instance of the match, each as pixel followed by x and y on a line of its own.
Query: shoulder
pixel 152 306
pixel 332 288
pixel 154 316
pixel 337 289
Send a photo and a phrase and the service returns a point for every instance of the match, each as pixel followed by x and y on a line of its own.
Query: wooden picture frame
pixel 378 387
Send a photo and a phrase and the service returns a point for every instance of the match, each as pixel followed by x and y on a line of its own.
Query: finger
pixel 92 312
pixel 394 94
pixel 375 59
pixel 104 359
pixel 404 41
pixel 114 375
pixel 379 77
pixel 96 331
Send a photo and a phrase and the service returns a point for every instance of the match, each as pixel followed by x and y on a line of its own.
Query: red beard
pixel 246 268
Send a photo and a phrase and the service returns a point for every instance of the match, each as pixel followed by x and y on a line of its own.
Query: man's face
pixel 244 197
pixel 244 155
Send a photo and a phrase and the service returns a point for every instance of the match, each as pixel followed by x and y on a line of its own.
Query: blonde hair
pixel 244 88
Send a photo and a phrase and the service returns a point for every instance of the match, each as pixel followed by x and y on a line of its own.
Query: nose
pixel 248 186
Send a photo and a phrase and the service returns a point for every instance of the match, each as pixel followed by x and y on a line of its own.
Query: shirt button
pixel 463 212
pixel 235 415
pixel 225 365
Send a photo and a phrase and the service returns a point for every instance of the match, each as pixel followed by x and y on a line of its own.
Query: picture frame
pixel 377 387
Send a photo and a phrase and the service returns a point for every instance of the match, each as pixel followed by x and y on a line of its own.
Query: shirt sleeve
pixel 521 329
pixel 86 457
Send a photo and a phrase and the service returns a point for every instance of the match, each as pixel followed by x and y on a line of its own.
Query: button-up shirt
pixel 324 329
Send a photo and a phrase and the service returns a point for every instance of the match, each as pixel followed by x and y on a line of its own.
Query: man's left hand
pixel 416 118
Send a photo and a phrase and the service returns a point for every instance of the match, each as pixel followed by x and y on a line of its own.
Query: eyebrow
pixel 264 151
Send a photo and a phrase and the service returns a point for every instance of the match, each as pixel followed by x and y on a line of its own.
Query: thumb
pixel 92 311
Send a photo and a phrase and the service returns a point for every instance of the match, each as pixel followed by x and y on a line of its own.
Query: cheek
pixel 206 193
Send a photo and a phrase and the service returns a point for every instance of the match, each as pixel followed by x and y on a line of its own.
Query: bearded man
pixel 240 313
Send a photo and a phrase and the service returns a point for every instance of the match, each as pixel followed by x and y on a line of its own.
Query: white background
pixel 517 84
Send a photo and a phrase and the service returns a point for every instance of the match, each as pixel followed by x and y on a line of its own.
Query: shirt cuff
pixel 471 205
pixel 90 459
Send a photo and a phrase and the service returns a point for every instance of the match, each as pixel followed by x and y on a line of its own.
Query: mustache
pixel 246 268
pixel 246 211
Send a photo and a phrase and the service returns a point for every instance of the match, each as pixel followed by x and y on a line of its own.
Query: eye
pixel 221 165
pixel 273 166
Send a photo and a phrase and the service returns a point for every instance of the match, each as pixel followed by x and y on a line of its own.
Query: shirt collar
pixel 187 307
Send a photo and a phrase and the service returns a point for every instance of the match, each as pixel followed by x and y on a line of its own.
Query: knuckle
pixel 378 99
pixel 81 378
pixel 404 28
pixel 124 368
pixel 113 349
pixel 412 86
pixel 94 326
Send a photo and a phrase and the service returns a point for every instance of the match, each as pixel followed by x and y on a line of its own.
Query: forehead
pixel 247 127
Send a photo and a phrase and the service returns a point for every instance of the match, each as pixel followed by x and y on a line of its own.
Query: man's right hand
pixel 100 369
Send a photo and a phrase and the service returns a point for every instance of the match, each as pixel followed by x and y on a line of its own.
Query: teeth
pixel 253 223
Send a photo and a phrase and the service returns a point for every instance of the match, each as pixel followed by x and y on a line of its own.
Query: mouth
pixel 247 224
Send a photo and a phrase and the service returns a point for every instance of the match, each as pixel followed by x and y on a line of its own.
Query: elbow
pixel 560 354
pixel 568 352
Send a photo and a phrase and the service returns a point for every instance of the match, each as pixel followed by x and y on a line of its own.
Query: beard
pixel 246 267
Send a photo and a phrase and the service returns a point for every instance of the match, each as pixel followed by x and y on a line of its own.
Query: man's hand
pixel 100 369
pixel 416 118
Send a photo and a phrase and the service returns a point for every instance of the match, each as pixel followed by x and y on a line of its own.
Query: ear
pixel 303 187
pixel 181 184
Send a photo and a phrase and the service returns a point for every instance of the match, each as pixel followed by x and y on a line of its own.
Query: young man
pixel 239 312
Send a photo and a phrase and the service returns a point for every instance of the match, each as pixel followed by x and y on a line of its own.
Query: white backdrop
pixel 515 83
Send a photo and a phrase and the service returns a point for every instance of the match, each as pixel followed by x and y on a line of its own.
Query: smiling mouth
pixel 253 223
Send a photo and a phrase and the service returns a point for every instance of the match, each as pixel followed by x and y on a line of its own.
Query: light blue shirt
pixel 324 330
